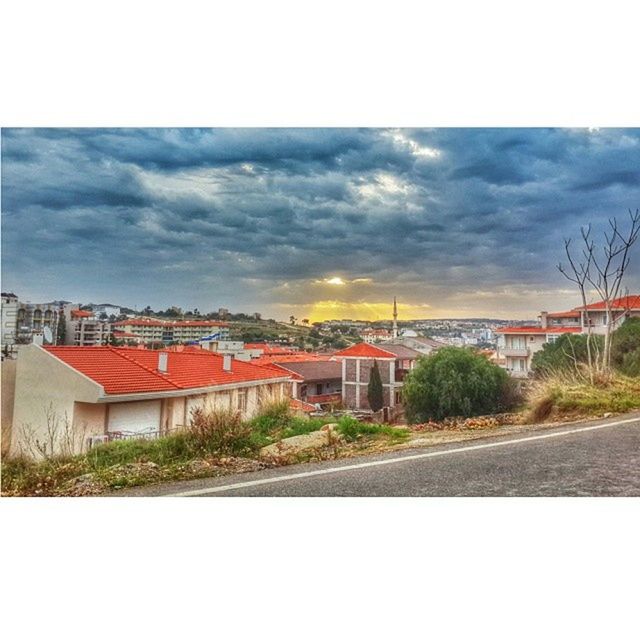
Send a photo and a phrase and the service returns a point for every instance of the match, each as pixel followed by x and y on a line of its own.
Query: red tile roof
pixel 539 330
pixel 292 357
pixel 300 405
pixel 626 302
pixel 270 349
pixel 78 313
pixel 272 366
pixel 364 350
pixel 129 370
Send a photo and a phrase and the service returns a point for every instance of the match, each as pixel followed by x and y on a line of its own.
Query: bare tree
pixel 578 275
pixel 603 268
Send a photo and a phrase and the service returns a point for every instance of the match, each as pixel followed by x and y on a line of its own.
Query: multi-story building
pixel 21 321
pixel 9 319
pixel 83 329
pixel 373 335
pixel 519 344
pixel 394 362
pixel 152 330
pixel 108 309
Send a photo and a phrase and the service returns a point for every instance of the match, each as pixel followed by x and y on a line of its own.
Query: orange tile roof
pixel 300 405
pixel 272 366
pixel 292 357
pixel 364 350
pixel 539 330
pixel 79 313
pixel 626 302
pixel 270 349
pixel 129 370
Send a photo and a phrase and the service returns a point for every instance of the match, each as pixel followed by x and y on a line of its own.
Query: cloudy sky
pixel 320 223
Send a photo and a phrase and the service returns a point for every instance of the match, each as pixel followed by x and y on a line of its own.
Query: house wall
pixel 256 397
pixel 46 391
pixel 357 372
pixel 89 419
pixel 8 393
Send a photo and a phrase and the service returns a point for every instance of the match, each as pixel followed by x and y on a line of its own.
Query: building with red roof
pixel 83 328
pixel 520 343
pixel 108 392
pixel 394 361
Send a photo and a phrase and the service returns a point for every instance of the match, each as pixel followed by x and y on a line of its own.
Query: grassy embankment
pixel 568 395
pixel 216 444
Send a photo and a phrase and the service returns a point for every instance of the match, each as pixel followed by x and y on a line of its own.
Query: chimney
pixel 543 319
pixel 163 359
pixel 226 362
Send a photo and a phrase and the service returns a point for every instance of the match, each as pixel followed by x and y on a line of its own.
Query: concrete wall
pixel 256 398
pixel 89 419
pixel 46 391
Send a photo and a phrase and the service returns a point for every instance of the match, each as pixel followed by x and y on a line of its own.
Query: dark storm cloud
pixel 249 217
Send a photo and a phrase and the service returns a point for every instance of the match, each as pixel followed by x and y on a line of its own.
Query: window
pixel 319 389
pixel 242 400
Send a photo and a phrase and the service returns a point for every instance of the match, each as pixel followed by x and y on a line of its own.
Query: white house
pixel 89 394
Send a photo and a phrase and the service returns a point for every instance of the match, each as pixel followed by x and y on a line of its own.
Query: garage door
pixel 135 417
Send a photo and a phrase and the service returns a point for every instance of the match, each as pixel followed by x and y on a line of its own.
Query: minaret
pixel 395 319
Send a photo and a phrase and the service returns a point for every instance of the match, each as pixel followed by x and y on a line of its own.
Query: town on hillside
pixel 116 373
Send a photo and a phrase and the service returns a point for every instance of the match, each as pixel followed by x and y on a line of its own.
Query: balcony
pixel 324 398
pixel 515 352
pixel 516 373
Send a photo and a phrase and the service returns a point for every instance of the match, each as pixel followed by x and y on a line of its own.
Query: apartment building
pixel 373 335
pixel 83 328
pixel 21 321
pixel 519 344
pixel 145 330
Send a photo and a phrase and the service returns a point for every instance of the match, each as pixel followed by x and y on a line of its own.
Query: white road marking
pixel 379 463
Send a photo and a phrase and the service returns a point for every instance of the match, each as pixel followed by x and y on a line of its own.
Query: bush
pixel 565 353
pixel 166 450
pixel 353 429
pixel 625 348
pixel 568 395
pixel 455 382
pixel 220 432
pixel 272 417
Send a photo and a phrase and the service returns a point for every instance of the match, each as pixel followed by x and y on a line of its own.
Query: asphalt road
pixel 600 458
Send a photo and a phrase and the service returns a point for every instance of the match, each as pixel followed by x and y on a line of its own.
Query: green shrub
pixel 221 431
pixel 272 417
pixel 625 348
pixel 454 382
pixel 568 394
pixel 563 354
pixel 166 450
pixel 353 429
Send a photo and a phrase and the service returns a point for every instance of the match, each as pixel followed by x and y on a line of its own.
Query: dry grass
pixel 563 395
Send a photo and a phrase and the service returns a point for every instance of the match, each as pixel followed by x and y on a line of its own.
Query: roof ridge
pixel 142 366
